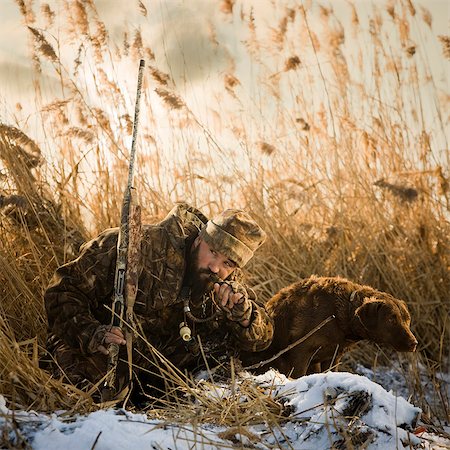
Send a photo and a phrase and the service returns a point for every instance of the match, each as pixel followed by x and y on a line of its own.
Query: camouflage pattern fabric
pixel 80 293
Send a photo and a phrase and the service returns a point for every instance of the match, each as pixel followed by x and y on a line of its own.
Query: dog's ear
pixel 369 312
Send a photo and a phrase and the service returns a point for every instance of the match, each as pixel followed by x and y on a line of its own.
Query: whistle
pixel 185 332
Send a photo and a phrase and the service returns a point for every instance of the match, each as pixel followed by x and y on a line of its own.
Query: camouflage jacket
pixel 81 291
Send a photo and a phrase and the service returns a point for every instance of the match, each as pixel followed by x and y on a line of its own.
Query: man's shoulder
pixel 171 234
pixel 104 240
pixel 186 214
pixel 182 220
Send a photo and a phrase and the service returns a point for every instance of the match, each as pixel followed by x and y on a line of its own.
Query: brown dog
pixel 361 312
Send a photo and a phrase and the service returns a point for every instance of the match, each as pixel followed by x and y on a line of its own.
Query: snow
pixel 323 409
pixel 384 417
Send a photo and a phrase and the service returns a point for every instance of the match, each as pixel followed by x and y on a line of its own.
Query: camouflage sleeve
pixel 75 298
pixel 258 335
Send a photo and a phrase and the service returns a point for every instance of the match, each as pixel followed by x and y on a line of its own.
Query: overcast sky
pixel 170 24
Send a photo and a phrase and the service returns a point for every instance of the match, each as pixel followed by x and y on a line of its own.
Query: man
pixel 184 259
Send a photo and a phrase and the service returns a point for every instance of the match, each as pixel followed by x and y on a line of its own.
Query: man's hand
pixel 105 335
pixel 113 336
pixel 234 300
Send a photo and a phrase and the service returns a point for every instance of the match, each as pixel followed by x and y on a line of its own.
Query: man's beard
pixel 200 280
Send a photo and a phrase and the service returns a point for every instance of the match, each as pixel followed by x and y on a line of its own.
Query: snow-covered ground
pixel 322 409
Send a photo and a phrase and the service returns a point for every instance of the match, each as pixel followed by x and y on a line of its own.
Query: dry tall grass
pixel 330 134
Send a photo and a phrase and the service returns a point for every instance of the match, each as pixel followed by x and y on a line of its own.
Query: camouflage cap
pixel 234 234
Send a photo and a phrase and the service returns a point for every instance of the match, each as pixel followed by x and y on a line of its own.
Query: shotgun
pixel 128 245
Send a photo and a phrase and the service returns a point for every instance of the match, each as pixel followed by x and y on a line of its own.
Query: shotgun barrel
pixel 123 243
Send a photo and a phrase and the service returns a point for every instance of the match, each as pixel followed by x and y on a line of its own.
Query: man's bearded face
pixel 202 278
pixel 206 267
